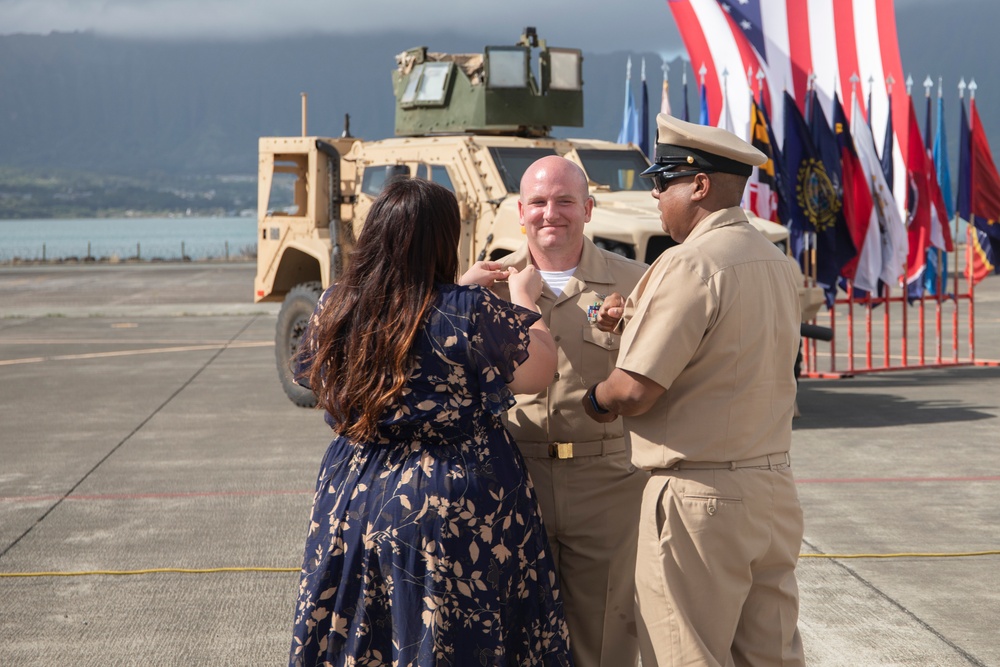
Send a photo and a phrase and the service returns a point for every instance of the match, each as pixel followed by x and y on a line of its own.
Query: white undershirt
pixel 556 280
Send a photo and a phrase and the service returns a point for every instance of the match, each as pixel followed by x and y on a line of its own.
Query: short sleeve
pixel 670 312
pixel 500 340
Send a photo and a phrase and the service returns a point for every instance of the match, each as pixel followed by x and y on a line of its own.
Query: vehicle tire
pixel 292 320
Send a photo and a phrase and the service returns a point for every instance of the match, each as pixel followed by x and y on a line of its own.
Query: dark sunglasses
pixel 661 179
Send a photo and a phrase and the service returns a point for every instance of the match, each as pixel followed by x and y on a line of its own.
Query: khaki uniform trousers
pixel 715 569
pixel 590 507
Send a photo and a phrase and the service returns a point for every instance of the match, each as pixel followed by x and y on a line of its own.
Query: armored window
pixel 506 67
pixel 437 173
pixel 565 69
pixel 427 85
pixel 411 85
pixel 376 176
pixel 288 195
pixel 434 83
pixel 513 162
pixel 618 169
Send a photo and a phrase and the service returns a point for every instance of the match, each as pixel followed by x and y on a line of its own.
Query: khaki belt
pixel 766 462
pixel 571 450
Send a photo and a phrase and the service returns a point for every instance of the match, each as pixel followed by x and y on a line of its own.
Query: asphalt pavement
pixel 155 483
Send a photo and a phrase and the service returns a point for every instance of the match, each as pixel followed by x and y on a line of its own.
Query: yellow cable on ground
pixel 157 570
pixel 966 554
pixel 213 570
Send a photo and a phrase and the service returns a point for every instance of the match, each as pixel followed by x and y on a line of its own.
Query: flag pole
pixel 703 116
pixel 954 273
pixel 643 116
pixel 665 94
pixel 972 284
pixel 939 275
pixel 928 85
pixel 810 85
pixel 941 278
pixel 871 87
pixel 904 347
pixel 684 87
pixel 922 338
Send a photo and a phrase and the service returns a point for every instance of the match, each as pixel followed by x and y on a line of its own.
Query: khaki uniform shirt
pixel 586 355
pixel 715 321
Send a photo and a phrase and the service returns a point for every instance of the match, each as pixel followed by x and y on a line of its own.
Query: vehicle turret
pixel 494 92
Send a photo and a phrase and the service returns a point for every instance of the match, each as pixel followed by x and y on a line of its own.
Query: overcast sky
pixel 611 25
pixel 596 26
pixel 560 22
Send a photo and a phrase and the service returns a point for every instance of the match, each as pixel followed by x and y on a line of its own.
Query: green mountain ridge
pixel 169 117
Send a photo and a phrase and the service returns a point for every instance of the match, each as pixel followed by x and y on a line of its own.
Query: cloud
pixel 596 27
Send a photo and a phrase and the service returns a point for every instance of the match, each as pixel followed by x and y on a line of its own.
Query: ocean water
pixel 127 238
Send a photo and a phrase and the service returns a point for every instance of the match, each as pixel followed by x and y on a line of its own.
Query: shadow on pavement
pixel 888 399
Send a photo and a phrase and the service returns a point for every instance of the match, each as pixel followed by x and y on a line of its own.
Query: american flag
pixel 830 41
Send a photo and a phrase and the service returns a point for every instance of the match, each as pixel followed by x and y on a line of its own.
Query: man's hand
pixel 483 273
pixel 611 312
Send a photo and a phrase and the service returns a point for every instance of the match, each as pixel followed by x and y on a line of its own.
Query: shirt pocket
pixel 598 354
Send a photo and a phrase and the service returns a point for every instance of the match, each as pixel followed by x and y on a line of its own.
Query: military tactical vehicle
pixel 471 122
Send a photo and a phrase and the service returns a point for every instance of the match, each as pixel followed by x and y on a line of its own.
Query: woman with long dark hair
pixel 425 546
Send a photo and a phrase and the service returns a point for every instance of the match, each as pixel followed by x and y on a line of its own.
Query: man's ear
pixel 588 207
pixel 702 186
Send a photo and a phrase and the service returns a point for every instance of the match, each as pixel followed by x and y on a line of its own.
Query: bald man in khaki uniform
pixel 705 381
pixel 588 492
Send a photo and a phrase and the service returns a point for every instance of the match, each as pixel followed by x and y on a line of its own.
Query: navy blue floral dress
pixel 426 547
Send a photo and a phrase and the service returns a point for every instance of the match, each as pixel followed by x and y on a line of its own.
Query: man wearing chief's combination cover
pixel 706 385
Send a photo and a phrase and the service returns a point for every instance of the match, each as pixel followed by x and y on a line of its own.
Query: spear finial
pixel 909 84
pixel 928 84
pixel 961 89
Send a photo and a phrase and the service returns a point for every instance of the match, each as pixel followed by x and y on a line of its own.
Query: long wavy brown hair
pixel 364 335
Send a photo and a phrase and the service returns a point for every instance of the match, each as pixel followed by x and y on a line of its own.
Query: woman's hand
pixel 536 373
pixel 483 273
pixel 525 286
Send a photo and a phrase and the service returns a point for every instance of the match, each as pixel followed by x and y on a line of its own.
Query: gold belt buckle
pixel 561 450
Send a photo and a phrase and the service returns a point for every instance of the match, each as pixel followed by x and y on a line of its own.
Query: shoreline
pixel 113 261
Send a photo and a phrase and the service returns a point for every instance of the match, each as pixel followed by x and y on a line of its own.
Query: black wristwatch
pixel 594 404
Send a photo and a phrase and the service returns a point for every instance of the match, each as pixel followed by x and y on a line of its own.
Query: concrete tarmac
pixel 142 428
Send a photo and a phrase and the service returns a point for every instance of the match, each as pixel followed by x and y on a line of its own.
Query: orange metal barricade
pixel 897 321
